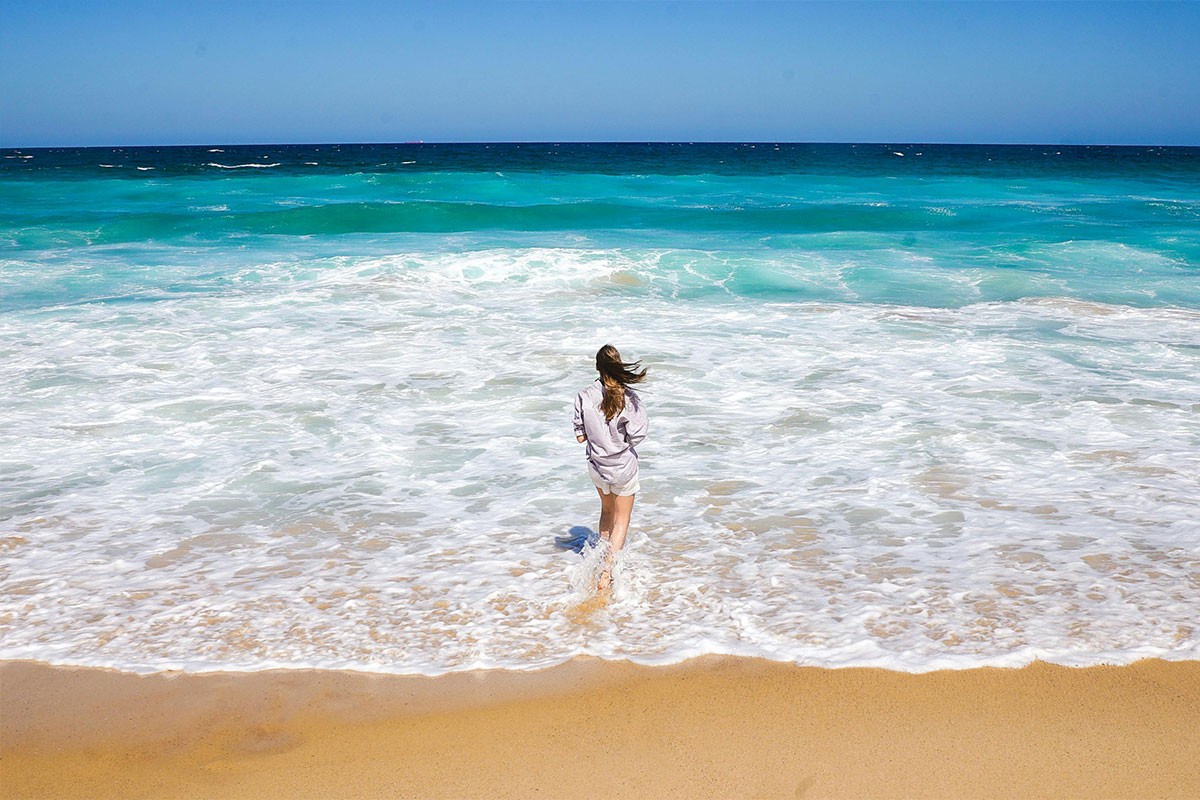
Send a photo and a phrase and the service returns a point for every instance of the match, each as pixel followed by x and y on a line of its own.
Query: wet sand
pixel 713 727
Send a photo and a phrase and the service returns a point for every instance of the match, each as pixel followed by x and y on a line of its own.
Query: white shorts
pixel 621 490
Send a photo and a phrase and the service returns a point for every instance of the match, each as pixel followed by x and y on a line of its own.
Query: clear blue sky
pixel 106 73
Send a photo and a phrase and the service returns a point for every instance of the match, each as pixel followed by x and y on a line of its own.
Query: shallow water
pixel 903 413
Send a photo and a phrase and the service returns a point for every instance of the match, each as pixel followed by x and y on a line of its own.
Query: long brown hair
pixel 615 375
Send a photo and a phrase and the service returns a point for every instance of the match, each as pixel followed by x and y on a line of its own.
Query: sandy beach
pixel 713 727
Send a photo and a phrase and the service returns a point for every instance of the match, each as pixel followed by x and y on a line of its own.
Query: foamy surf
pixel 246 448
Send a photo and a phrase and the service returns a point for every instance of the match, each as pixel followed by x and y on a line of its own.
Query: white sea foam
pixel 145 169
pixel 363 462
pixel 241 166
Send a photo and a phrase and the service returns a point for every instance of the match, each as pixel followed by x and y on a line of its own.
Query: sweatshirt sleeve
pixel 637 424
pixel 578 420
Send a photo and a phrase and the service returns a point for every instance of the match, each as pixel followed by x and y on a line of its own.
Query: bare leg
pixel 622 510
pixel 607 512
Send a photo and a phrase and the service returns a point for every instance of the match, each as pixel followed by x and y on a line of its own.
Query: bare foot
pixel 605 581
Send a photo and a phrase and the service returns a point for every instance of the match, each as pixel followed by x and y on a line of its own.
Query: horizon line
pixel 418 143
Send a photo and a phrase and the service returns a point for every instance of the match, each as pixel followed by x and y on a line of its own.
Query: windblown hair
pixel 615 375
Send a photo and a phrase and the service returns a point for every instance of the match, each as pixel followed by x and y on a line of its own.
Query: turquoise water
pixel 937 226
pixel 912 406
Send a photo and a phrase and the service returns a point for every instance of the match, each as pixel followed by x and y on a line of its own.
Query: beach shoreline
pixel 716 726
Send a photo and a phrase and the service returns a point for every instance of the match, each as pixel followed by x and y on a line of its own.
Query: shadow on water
pixel 576 539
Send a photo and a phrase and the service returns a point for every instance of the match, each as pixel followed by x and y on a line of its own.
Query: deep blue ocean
pixel 912 406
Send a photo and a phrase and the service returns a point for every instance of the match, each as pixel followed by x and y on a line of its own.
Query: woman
pixel 610 418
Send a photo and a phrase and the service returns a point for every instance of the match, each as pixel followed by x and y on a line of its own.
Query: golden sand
pixel 714 727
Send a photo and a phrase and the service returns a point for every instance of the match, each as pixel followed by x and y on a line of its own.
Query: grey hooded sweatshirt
pixel 611 443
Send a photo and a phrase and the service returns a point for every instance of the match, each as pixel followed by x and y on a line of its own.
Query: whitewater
pixel 309 406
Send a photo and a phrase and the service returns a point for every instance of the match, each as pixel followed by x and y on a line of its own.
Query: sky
pixel 136 73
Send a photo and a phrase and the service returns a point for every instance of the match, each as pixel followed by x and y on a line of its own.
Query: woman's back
pixel 611 443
